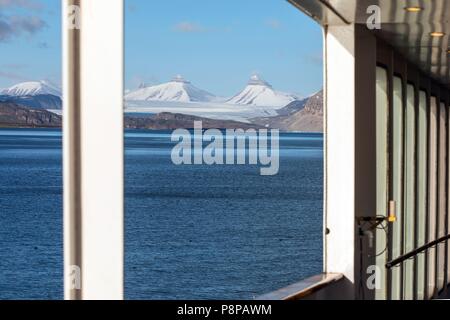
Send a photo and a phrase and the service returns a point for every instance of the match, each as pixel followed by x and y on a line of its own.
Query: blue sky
pixel 217 45
pixel 30 41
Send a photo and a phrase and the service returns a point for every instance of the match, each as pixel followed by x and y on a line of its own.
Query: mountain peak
pixel 32 88
pixel 259 92
pixel 256 80
pixel 179 79
pixel 176 90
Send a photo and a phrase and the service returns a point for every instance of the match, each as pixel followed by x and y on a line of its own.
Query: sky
pixel 30 41
pixel 217 45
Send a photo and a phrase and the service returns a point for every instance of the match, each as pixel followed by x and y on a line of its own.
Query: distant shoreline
pixel 2 127
pixel 301 116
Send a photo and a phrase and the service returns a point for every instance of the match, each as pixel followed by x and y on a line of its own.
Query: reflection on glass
pixel 382 110
pixel 432 202
pixel 410 192
pixel 448 222
pixel 422 191
pixel 397 183
pixel 442 193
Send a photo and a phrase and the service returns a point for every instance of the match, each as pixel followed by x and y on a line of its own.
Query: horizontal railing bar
pixel 415 252
pixel 303 288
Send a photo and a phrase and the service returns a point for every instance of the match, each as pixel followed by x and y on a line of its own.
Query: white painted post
pixel 340 149
pixel 350 152
pixel 93 149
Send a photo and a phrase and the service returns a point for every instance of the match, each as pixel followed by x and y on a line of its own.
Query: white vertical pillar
pixel 93 149
pixel 350 162
pixel 340 149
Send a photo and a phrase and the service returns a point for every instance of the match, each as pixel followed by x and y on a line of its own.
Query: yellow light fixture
pixel 413 9
pixel 437 34
pixel 392 217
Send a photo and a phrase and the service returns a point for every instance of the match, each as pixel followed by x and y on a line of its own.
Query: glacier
pixel 257 99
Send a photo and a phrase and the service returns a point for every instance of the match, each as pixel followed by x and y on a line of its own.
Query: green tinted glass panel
pixel 382 106
pixel 422 151
pixel 397 182
pixel 432 193
pixel 410 199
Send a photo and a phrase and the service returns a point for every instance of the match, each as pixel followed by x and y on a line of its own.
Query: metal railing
pixel 415 252
pixel 304 288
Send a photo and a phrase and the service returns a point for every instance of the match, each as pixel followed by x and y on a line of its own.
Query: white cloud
pixel 314 58
pixel 14 26
pixel 188 27
pixel 12 76
pixel 26 4
pixel 273 23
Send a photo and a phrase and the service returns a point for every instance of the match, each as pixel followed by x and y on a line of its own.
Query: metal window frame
pixel 439 240
pixel 388 58
pixel 446 194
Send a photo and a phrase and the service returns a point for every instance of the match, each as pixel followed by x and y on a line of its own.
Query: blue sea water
pixel 192 232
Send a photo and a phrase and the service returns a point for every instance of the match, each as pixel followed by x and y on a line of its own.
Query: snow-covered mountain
pixel 42 101
pixel 33 94
pixel 32 88
pixel 260 93
pixel 177 90
pixel 257 100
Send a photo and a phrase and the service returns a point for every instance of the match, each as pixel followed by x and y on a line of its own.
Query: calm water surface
pixel 192 232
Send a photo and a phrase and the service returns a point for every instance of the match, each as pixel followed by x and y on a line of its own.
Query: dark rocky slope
pixel 13 115
pixel 310 119
pixel 171 121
